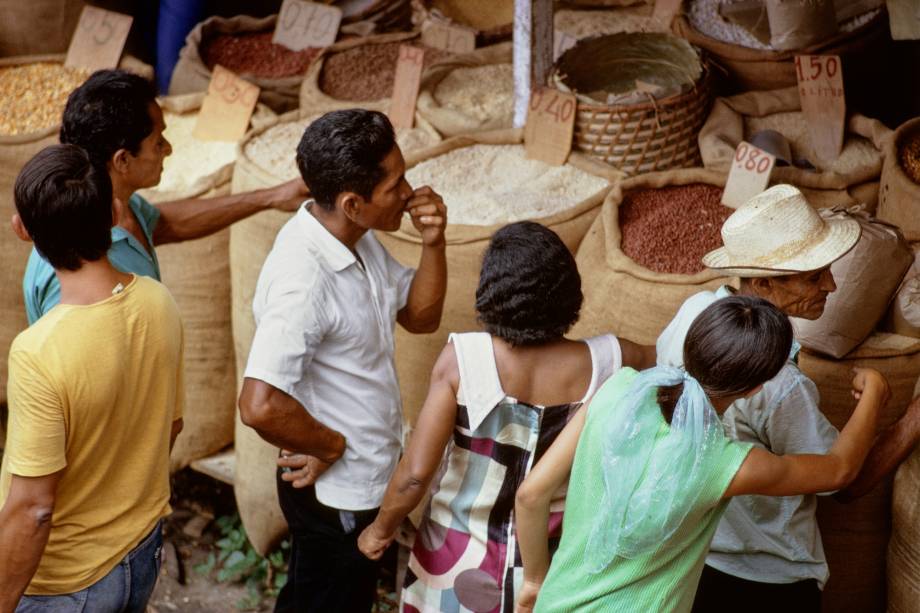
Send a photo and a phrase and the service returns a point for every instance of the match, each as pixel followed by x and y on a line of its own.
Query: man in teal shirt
pixel 114 116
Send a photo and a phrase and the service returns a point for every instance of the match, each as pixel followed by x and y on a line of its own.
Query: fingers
pixel 292 460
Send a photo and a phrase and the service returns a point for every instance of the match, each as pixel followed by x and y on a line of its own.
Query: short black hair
pixel 529 289
pixel 64 200
pixel 342 151
pixel 110 111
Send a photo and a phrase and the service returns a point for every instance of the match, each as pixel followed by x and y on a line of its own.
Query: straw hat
pixel 778 233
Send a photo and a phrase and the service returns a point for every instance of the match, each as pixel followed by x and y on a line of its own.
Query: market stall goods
pixel 491 20
pixel 32 96
pixel 254 53
pixel 622 294
pixel 586 23
pixel 37 26
pixel 899 196
pixel 191 158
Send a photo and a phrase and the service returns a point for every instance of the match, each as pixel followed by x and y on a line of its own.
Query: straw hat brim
pixel 841 236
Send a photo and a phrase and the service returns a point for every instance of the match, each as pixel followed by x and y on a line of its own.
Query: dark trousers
pixel 718 592
pixel 326 573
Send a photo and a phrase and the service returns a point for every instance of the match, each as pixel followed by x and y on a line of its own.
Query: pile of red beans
pixel 254 53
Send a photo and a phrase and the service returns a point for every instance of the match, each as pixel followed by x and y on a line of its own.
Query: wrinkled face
pixel 804 294
pixel 145 168
pixel 388 201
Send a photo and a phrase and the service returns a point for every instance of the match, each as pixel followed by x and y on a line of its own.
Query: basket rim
pixel 698 91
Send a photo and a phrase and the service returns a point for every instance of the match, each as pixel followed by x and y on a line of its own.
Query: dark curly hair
pixel 110 111
pixel 529 289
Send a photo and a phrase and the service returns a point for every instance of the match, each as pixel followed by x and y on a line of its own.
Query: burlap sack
pixel 584 23
pixel 904 314
pixel 899 196
pixel 191 74
pixel 491 19
pixel 724 129
pixel 37 26
pixel 855 535
pixel 797 24
pixel 621 296
pixel 15 151
pixel 867 278
pixel 452 122
pixel 416 353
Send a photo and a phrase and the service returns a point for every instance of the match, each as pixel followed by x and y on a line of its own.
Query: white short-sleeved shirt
pixel 771 539
pixel 324 335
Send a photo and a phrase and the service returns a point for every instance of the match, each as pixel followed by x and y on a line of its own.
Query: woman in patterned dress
pixel 496 401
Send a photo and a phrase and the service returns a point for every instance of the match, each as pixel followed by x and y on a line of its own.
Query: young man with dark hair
pixel 321 381
pixel 95 403
pixel 114 116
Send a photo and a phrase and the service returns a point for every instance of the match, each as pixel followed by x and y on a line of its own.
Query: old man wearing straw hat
pixel 767 551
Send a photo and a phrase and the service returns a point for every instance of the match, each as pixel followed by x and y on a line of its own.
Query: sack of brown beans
pixel 641 258
pixel 358 73
pixel 266 157
pixel 242 44
pixel 33 92
pixel 740 117
pixel 470 93
pixel 899 196
pixel 904 546
pixel 855 535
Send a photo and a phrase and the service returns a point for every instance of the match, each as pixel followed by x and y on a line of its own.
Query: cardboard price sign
pixel 99 39
pixel 406 82
pixel 227 107
pixel 748 176
pixel 820 80
pixel 304 24
pixel 440 35
pixel 549 127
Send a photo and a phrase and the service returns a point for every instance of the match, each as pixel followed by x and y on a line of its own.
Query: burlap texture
pixel 899 196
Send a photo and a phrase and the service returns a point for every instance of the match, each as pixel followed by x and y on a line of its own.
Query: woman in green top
pixel 653 470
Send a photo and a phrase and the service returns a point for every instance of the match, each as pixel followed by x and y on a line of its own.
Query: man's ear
pixel 20 228
pixel 119 161
pixel 350 203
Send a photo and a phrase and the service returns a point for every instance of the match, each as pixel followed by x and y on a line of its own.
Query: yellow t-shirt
pixel 93 390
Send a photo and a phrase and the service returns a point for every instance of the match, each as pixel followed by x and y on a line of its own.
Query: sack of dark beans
pixel 641 258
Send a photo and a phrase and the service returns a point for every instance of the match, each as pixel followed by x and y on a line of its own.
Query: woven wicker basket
pixel 657 134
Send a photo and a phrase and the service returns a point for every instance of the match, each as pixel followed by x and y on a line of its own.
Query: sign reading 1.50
pixel 304 24
pixel 817 66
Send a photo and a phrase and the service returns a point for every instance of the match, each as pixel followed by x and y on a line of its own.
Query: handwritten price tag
pixel 549 127
pixel 304 24
pixel 749 174
pixel 820 80
pixel 227 107
pixel 562 42
pixel 453 38
pixel 405 85
pixel 99 39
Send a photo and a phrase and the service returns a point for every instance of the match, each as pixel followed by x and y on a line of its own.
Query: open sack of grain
pixel 491 20
pixel 899 195
pixel 265 158
pixel 641 99
pixel 855 535
pixel 469 93
pixel 585 23
pixel 904 312
pixel 641 258
pixel 867 278
pixel 197 274
pixel 740 117
pixel 33 92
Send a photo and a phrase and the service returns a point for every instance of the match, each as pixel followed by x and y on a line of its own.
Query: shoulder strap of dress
pixel 480 387
pixel 606 359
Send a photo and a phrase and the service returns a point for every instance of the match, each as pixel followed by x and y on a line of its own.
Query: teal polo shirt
pixel 41 287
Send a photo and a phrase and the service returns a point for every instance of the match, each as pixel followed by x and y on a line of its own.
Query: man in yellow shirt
pixel 95 401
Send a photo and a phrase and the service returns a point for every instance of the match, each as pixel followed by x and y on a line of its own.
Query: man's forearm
pixel 192 218
pixel 426 296
pixel 22 540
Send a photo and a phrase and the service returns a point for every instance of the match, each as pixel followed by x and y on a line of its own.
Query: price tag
pixel 405 85
pixel 904 19
pixel 453 38
pixel 749 174
pixel 98 40
pixel 227 107
pixel 549 127
pixel 304 24
pixel 821 94
pixel 562 42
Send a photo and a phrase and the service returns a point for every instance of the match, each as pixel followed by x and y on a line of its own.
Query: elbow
pixel 254 413
pixel 845 474
pixel 527 498
pixel 424 324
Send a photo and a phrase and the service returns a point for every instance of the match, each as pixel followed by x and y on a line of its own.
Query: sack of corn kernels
pixel 855 535
pixel 33 92
pixel 740 117
pixel 642 256
pixel 470 93
pixel 197 274
pixel 266 157
pixel 899 195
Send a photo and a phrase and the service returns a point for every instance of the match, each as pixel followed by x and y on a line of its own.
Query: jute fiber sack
pixel 584 23
pixel 15 151
pixel 416 353
pixel 867 278
pixel 855 535
pixel 796 24
pixel 452 121
pixel 904 314
pixel 899 196
pixel 491 19
pixel 37 26
pixel 725 128
pixel 191 74
pixel 622 296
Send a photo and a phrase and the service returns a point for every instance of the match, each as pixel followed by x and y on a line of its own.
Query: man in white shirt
pixel 767 551
pixel 321 381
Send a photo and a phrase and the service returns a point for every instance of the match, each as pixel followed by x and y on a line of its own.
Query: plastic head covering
pixel 648 495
